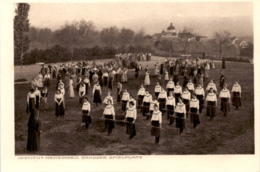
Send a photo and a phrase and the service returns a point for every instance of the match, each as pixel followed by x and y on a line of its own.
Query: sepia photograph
pixel 132 79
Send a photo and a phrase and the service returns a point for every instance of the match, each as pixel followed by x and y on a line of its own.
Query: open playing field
pixel 233 134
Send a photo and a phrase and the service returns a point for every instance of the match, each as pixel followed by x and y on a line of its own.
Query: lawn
pixel 233 134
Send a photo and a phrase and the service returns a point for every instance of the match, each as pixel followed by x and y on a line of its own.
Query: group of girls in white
pixel 176 101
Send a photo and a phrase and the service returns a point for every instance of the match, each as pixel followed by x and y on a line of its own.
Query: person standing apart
pixel 109 115
pixel 97 94
pixel 236 91
pixel 86 109
pixel 224 96
pixel 194 110
pixel 180 111
pixel 130 118
pixel 59 110
pixel 34 130
pixel 156 124
pixel 199 92
pixel 211 100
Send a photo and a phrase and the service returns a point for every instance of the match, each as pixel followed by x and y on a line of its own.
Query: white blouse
pixel 236 88
pixel 199 91
pixel 211 85
pixel 147 98
pixel 37 93
pixel 58 96
pixel 141 92
pixel 211 97
pixel 194 103
pixel 131 113
pixel 224 93
pixel 86 106
pixel 180 108
pixel 157 88
pixel 105 74
pixel 107 98
pixel 30 95
pixel 170 101
pixel 177 90
pixel 152 103
pixel 109 110
pixel 186 95
pixel 162 95
pixel 96 87
pixel 157 116
pixel 125 96
pixel 190 86
pixel 170 84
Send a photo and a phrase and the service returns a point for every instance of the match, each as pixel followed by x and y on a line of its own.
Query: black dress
pixel 130 127
pixel 86 118
pixel 59 111
pixel 236 100
pixel 97 97
pixel 33 140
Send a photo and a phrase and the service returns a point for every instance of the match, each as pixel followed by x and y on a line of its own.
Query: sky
pixel 153 17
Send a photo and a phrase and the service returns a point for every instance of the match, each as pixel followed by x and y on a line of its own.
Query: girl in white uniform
pixel 170 104
pixel 236 91
pixel 125 98
pixel 170 86
pixel 211 84
pixel 186 96
pixel 86 109
pixel 199 92
pixel 146 102
pixel 151 108
pixel 162 99
pixel 156 123
pixel 140 94
pixel 194 109
pixel 224 96
pixel 180 111
pixel 109 115
pixel 157 89
pixel 130 117
pixel 211 100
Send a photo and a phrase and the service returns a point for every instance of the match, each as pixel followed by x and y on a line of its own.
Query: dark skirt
pixel 155 130
pixel 156 94
pixel 180 123
pixel 225 105
pixel 86 88
pixel 146 106
pixel 170 109
pixel 33 139
pixel 85 117
pixel 59 111
pixel 97 97
pixel 124 105
pixel 162 104
pixel 201 100
pixel 236 100
pixel 130 127
pixel 187 104
pixel 105 79
pixel 47 83
pixel 81 98
pixel 77 87
pixel 194 117
pixel 140 101
pixel 175 79
pixel 110 83
pixel 109 124
pixel 37 105
pixel 211 109
pixel 31 105
pixel 136 74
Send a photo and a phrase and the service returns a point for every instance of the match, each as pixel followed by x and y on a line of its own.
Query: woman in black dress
pixel 236 91
pixel 34 130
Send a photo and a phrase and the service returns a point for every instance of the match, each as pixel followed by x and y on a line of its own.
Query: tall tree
pixel 21 29
pixel 221 39
pixel 125 36
pixel 109 36
pixel 45 36
pixel 33 35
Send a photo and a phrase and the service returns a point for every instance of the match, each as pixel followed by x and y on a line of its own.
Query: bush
pixel 132 65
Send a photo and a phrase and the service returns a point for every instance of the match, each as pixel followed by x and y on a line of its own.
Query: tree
pixel 21 29
pixel 125 36
pixel 139 37
pixel 33 35
pixel 109 36
pixel 221 39
pixel 45 36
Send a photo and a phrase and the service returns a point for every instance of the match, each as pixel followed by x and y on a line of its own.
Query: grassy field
pixel 233 134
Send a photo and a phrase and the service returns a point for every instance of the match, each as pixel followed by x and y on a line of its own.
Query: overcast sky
pixel 134 15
